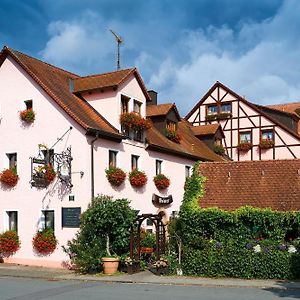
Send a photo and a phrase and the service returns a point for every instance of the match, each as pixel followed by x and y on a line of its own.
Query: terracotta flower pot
pixel 110 265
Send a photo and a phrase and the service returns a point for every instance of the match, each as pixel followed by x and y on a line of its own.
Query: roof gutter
pixel 117 137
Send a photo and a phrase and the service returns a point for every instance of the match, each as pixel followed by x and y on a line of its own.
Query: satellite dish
pixel 119 42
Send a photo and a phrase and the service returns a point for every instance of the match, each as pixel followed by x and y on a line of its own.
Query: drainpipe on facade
pixel 92 167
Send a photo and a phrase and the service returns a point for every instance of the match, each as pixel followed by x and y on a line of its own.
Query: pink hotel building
pixel 77 129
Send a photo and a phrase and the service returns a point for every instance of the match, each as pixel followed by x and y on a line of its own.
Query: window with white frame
pixel 48 219
pixel 187 171
pixel 12 217
pixel 158 165
pixel 12 161
pixel 124 104
pixel 267 134
pixel 137 106
pixel 245 137
pixel 112 158
pixel 134 162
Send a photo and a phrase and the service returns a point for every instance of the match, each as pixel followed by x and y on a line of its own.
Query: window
pixel 137 106
pixel 134 162
pixel 138 135
pixel 124 104
pixel 212 109
pixel 12 161
pixel 245 137
pixel 48 219
pixel 171 125
pixel 267 134
pixel 112 157
pixel 158 164
pixel 12 220
pixel 226 107
pixel 187 171
pixel 28 104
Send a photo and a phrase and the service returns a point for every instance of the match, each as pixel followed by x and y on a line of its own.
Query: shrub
pixel 103 217
pixel 9 177
pixel 9 243
pixel 44 242
pixel 27 115
pixel 115 176
pixel 161 181
pixel 137 178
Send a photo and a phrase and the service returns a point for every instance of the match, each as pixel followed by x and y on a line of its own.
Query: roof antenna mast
pixel 119 42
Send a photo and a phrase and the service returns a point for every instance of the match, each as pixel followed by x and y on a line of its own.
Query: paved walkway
pixel 11 270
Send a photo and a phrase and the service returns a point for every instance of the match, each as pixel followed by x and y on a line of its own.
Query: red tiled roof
pixel 189 145
pixel 272 183
pixel 209 129
pixel 161 110
pixel 55 82
pixel 292 108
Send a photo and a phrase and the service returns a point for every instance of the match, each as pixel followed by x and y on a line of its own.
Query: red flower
pixel 9 243
pixel 115 176
pixel 50 173
pixel 27 115
pixel 244 146
pixel 9 177
pixel 44 242
pixel 137 178
pixel 173 135
pixel 161 181
pixel 134 121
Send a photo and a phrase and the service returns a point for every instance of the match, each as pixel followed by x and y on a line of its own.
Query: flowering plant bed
pixel 219 149
pixel 161 181
pixel 44 242
pixel 27 115
pixel 244 147
pixel 173 135
pixel 134 121
pixel 266 144
pixel 115 176
pixel 137 178
pixel 9 243
pixel 9 177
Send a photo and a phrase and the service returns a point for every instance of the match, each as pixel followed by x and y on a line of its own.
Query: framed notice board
pixel 71 217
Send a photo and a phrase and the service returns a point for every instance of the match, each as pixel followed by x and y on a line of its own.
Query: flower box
pixel 266 144
pixel 147 250
pixel 137 178
pixel 27 115
pixel 115 176
pixel 173 135
pixel 9 243
pixel 220 116
pixel 244 146
pixel 161 181
pixel 44 242
pixel 9 177
pixel 134 121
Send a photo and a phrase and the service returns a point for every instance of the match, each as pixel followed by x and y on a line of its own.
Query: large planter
pixel 244 146
pixel 9 177
pixel 137 178
pixel 110 265
pixel 173 135
pixel 134 121
pixel 147 250
pixel 27 115
pixel 115 176
pixel 161 181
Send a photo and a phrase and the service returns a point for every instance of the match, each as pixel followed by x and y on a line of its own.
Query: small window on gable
pixel 124 104
pixel 28 104
pixel 245 137
pixel 112 156
pixel 134 162
pixel 12 161
pixel 212 109
pixel 187 171
pixel 12 220
pixel 137 106
pixel 226 107
pixel 171 125
pixel 48 219
pixel 158 165
pixel 267 134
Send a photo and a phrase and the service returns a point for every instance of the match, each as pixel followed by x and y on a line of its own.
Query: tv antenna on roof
pixel 119 42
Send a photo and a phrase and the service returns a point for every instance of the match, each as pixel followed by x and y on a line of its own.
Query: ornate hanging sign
pixel 161 201
pixel 63 161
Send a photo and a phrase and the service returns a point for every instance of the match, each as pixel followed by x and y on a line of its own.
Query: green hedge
pixel 247 243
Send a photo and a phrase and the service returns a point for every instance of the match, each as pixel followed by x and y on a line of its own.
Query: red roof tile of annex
pixel 271 184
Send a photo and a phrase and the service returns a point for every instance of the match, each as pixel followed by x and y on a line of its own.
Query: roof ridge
pixel 287 103
pixel 106 73
pixel 255 161
pixel 16 52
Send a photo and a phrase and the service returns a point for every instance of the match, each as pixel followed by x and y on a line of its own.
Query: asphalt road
pixel 34 289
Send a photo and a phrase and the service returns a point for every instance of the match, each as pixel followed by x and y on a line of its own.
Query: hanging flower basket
pixel 266 144
pixel 161 181
pixel 27 115
pixel 134 121
pixel 115 176
pixel 173 135
pixel 9 243
pixel 244 147
pixel 44 175
pixel 219 149
pixel 137 178
pixel 9 177
pixel 44 242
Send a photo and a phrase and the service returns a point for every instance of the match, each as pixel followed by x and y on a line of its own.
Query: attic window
pixel 28 104
pixel 267 135
pixel 226 107
pixel 171 125
pixel 245 137
pixel 124 104
pixel 137 106
pixel 212 109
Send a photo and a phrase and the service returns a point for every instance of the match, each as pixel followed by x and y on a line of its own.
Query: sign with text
pixel 161 201
pixel 71 217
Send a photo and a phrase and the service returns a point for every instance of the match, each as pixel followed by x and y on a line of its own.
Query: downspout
pixel 92 167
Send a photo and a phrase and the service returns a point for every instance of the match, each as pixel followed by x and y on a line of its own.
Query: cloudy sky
pixel 181 47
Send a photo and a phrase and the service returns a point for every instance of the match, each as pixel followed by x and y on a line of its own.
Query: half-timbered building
pixel 252 132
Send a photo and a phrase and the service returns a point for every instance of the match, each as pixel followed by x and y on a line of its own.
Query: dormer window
pixel 137 106
pixel 171 125
pixel 226 107
pixel 124 104
pixel 212 109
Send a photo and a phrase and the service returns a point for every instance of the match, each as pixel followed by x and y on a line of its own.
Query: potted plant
pixel 219 149
pixel 173 135
pixel 9 177
pixel 266 144
pixel 148 242
pixel 161 181
pixel 44 242
pixel 137 178
pixel 115 176
pixel 244 146
pixel 27 115
pixel 134 121
pixel 9 243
